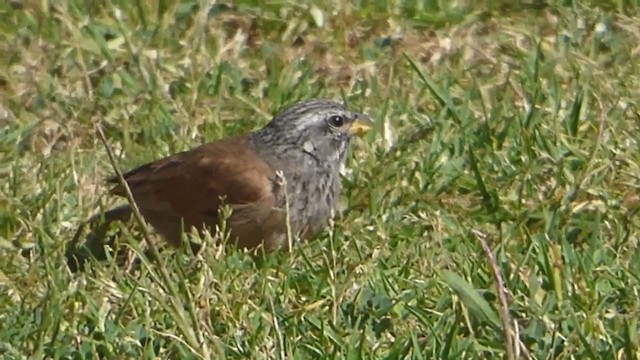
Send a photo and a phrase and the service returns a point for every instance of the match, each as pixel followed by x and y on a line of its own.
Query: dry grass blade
pixel 194 341
pixel 512 343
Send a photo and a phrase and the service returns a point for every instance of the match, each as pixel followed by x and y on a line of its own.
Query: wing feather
pixel 195 182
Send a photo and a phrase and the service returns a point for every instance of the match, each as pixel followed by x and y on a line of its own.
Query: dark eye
pixel 336 120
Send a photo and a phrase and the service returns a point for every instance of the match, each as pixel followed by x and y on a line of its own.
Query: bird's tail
pixel 78 252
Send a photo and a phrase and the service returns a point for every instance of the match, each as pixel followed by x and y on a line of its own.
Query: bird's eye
pixel 336 120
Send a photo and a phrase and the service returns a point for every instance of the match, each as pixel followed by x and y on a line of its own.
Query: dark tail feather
pixel 78 252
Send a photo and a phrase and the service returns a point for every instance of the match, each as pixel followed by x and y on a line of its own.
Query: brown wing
pixel 190 184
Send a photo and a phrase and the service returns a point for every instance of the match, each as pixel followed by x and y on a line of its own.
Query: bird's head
pixel 320 128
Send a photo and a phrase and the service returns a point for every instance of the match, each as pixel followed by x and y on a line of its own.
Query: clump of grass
pixel 510 123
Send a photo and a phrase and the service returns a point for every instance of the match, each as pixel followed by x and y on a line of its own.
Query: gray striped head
pixel 318 127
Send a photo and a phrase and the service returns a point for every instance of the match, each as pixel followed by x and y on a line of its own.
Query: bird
pixel 280 182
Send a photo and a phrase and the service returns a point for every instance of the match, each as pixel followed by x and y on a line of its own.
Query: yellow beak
pixel 361 126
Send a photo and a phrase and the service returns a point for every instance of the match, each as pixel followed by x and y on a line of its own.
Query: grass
pixel 512 124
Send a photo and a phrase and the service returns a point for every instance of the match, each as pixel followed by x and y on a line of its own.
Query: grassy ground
pixel 512 123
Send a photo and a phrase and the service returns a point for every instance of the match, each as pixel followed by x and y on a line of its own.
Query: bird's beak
pixel 361 125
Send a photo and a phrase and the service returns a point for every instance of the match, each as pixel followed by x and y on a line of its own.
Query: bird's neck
pixel 298 154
